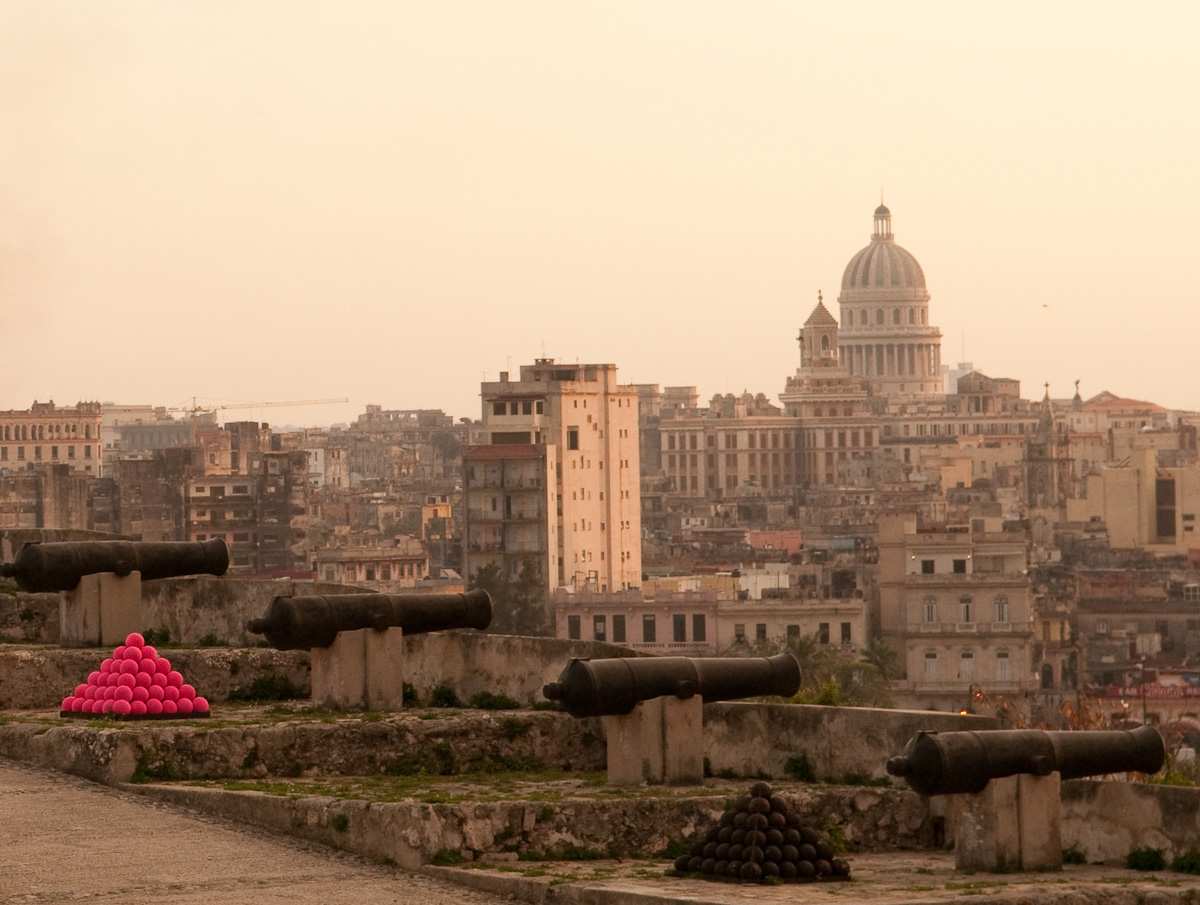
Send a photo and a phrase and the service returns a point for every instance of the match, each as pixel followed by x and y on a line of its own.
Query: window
pixel 1002 609
pixel 526 408
pixel 930 606
pixel 573 438
pixel 649 634
pixel 498 408
pixel 573 628
pixel 845 633
pixel 823 632
pixel 618 630
pixel 960 566
pixel 760 631
pixel 964 609
pixel 538 407
pixel 926 564
pixel 931 670
pixel 1002 667
pixel 699 632
pixel 739 633
pixel 600 628
pixel 679 628
pixel 793 631
pixel 966 668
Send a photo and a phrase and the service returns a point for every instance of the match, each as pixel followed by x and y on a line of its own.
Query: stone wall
pixel 1106 820
pixel 746 737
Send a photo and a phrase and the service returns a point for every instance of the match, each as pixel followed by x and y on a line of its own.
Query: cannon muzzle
pixel 40 568
pixel 947 763
pixel 302 623
pixel 615 686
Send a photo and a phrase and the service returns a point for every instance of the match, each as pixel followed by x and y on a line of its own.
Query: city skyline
pixel 392 203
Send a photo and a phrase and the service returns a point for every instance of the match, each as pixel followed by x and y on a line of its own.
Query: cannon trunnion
pixel 615 686
pixel 42 568
pixel 948 763
pixel 302 623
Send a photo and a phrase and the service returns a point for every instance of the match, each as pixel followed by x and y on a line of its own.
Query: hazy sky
pixel 387 201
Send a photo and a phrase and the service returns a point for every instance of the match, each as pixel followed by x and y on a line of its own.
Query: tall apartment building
pixel 557 477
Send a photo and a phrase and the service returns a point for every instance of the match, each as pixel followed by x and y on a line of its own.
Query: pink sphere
pixel 171 693
pixel 134 654
pixel 149 653
pixel 106 665
pixel 135 640
pixel 126 681
pixel 153 706
pixel 138 708
pixel 111 679
pixel 68 702
pixel 87 707
pixel 110 692
pixel 175 678
pixel 121 707
pixel 80 690
pixel 159 680
pixel 90 693
pixel 94 677
pixel 155 692
pixel 107 708
pixel 169 707
pixel 119 652
pixel 129 666
pixel 124 693
pixel 163 665
pixel 77 705
pixel 141 694
pixel 146 666
pixel 186 692
pixel 142 680
pixel 184 705
pixel 200 705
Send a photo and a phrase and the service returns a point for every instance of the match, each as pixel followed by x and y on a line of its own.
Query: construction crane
pixel 195 408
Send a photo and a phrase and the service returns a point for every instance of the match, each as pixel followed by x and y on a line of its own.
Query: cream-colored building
pixel 958 605
pixel 48 435
pixel 576 430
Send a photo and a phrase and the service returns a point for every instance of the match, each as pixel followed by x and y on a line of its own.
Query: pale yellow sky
pixel 386 201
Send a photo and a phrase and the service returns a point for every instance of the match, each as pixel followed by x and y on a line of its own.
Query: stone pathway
pixel 64 839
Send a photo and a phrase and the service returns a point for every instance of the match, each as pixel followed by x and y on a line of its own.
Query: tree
pixel 518 602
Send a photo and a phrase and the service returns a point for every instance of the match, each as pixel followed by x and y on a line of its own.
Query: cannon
pixel 41 568
pixel 613 687
pixel 948 763
pixel 302 623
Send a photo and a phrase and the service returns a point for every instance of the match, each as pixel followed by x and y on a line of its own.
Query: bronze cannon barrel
pixel 615 686
pixel 41 568
pixel 947 763
pixel 302 623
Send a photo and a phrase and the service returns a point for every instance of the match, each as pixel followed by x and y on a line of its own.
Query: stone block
pixel 361 670
pixel 659 741
pixel 1013 824
pixel 102 610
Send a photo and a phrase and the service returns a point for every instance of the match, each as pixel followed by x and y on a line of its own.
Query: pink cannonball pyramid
pixel 135 682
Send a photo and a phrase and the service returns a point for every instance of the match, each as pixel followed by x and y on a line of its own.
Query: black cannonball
pixel 772 853
pixel 750 871
pixel 726 834
pixel 681 863
pixel 778 805
pixel 807 852
pixel 809 835
pixel 694 864
pixel 712 834
pixel 770 868
pixel 720 869
pixel 790 853
pixel 742 803
pixel 805 870
pixel 741 819
pixel 760 790
pixel 792 819
pixel 735 852
pixel 757 822
pixel 710 850
pixel 824 851
pixel 791 836
pixel 734 869
pixel 698 848
pixel 759 806
pixel 708 866
pixel 777 820
pixel 738 837
pixel 824 868
pixel 841 867
pixel 727 818
pixel 774 837
pixel 752 853
pixel 722 852
pixel 787 870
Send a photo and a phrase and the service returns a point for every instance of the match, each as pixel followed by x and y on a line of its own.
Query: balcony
pixel 959 628
pixel 1008 579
